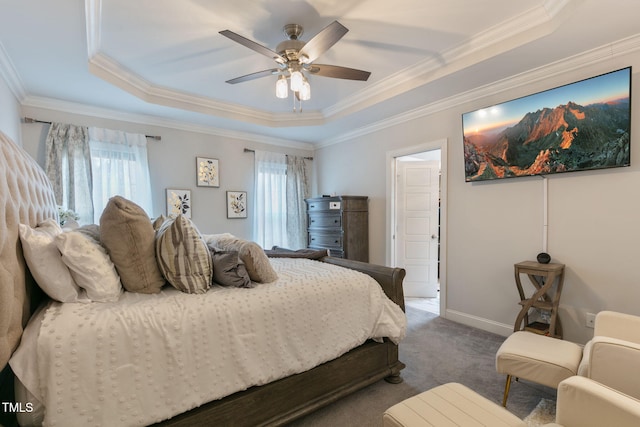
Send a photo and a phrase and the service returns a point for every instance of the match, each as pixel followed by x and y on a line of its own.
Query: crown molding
pixel 109 70
pixel 10 75
pixel 547 72
pixel 93 25
pixel 585 59
pixel 554 7
pixel 524 28
pixel 530 25
pixel 105 113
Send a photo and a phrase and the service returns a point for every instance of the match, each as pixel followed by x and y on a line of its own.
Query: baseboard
pixel 479 322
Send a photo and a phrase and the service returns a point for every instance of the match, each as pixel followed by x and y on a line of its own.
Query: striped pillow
pixel 183 256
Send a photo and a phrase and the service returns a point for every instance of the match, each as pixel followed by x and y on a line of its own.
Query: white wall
pixel 10 113
pixel 594 224
pixel 172 163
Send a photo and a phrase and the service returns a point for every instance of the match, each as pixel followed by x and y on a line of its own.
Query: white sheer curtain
pixel 119 167
pixel 68 167
pixel 297 191
pixel 270 201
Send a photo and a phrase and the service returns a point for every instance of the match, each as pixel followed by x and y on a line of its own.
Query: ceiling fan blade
pixel 339 72
pixel 253 76
pixel 322 41
pixel 254 46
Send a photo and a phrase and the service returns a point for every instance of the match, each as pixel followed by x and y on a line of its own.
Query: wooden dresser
pixel 339 224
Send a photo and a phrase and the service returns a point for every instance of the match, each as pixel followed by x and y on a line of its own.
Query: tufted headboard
pixel 26 197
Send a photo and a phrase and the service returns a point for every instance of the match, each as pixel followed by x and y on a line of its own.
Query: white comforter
pixel 146 358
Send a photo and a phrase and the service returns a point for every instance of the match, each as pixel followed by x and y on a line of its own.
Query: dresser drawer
pixel 328 204
pixel 325 240
pixel 325 221
pixel 340 225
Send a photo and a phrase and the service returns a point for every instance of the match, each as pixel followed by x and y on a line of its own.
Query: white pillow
pixel 45 262
pixel 90 266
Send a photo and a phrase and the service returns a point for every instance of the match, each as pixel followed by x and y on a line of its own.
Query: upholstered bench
pixel 449 405
pixel 538 358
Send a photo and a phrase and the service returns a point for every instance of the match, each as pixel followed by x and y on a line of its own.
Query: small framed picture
pixel 178 202
pixel 236 204
pixel 207 172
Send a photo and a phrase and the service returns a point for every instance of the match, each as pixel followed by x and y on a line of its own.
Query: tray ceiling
pixel 166 60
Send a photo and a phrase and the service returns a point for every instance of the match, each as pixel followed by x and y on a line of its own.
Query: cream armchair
pixel 581 403
pixel 612 357
pixel 586 403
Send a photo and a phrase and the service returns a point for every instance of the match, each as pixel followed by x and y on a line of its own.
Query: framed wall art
pixel 236 204
pixel 178 202
pixel 207 172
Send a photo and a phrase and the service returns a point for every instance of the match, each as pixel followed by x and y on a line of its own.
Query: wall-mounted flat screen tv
pixel 580 126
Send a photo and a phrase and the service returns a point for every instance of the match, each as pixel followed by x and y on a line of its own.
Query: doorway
pixel 417 177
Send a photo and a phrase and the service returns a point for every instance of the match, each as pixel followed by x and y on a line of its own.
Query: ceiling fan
pixel 295 57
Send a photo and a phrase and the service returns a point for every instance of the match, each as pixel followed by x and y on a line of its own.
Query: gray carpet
pixel 436 351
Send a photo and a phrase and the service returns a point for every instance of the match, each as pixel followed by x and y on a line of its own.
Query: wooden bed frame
pixel 26 196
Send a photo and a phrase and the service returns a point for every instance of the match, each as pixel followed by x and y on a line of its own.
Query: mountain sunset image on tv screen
pixel 580 126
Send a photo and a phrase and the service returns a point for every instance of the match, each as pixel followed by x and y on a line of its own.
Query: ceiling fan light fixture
pixel 296 80
pixel 295 60
pixel 305 91
pixel 282 89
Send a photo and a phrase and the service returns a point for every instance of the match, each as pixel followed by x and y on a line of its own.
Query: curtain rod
pixel 30 120
pixel 248 150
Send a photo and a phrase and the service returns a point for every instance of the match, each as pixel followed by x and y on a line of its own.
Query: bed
pixel 26 197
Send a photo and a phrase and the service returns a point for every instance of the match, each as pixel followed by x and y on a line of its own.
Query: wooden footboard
pixel 389 278
pixel 290 398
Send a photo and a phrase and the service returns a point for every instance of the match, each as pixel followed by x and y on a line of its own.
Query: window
pixel 270 218
pixel 87 166
pixel 119 166
pixel 280 212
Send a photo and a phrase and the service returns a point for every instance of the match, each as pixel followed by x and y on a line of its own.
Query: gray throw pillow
pixel 229 270
pixel 254 258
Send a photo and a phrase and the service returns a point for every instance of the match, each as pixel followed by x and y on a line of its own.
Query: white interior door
pixel 417 205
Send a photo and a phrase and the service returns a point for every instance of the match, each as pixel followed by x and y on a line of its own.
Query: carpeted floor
pixel 436 351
